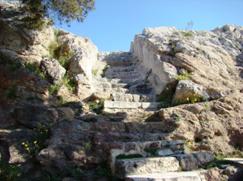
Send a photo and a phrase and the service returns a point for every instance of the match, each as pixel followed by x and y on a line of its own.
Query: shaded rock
pixel 32 116
pixel 53 70
pixel 85 53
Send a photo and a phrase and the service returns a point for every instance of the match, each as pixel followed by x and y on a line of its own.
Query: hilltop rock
pixel 211 58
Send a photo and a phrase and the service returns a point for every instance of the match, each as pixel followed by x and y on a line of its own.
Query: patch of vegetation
pixel 36 23
pixel 36 144
pixel 103 170
pixel 130 156
pixel 11 92
pixel 151 151
pixel 69 82
pixel 187 34
pixel 54 88
pixel 104 70
pixel 95 72
pixel 183 76
pixel 96 106
pixel 9 172
pixel 33 67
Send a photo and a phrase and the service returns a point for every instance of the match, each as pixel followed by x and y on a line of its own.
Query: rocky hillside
pixel 170 109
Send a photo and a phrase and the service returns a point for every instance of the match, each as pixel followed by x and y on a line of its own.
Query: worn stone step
pixel 125 97
pixel 137 166
pixel 128 127
pixel 125 74
pixel 128 137
pixel 168 176
pixel 121 68
pixel 130 105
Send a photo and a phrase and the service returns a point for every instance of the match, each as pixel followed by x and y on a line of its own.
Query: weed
pixel 33 67
pixel 95 72
pixel 130 156
pixel 96 106
pixel 151 151
pixel 53 89
pixel 69 82
pixel 187 34
pixel 183 76
pixel 87 146
pixel 9 172
pixel 37 143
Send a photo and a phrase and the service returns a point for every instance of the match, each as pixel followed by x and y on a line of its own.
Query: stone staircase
pixel 125 86
pixel 134 149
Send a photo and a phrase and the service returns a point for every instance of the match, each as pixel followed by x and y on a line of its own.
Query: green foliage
pixel 187 34
pixel 95 72
pixel 183 76
pixel 96 106
pixel 36 144
pixel 69 82
pixel 53 46
pixel 130 156
pixel 33 67
pixel 11 92
pixel 190 99
pixel 66 11
pixel 151 151
pixel 9 172
pixel 54 88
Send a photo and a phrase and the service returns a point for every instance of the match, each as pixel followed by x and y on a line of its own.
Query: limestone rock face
pixel 214 125
pixel 85 53
pixel 52 69
pixel 210 57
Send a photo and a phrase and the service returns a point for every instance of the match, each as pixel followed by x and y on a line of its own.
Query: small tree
pixel 63 10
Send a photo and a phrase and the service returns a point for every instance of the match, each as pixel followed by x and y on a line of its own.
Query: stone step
pixel 127 97
pixel 128 127
pixel 111 74
pixel 108 105
pixel 168 176
pixel 122 68
pixel 128 137
pixel 137 166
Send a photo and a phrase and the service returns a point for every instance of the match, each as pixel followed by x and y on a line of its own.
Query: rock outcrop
pixel 69 112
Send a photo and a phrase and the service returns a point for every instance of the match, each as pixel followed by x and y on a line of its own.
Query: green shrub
pixel 9 172
pixel 36 144
pixel 187 34
pixel 69 82
pixel 33 67
pixel 130 156
pixel 95 72
pixel 54 88
pixel 96 106
pixel 183 76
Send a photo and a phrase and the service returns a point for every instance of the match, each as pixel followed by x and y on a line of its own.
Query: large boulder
pixel 189 92
pixel 52 69
pixel 209 57
pixel 85 53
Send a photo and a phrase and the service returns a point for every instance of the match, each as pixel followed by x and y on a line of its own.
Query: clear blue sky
pixel 113 23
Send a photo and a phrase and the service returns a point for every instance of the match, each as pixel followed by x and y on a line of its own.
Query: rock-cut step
pixel 116 105
pixel 136 166
pixel 168 176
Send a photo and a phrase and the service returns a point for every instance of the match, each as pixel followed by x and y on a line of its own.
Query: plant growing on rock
pixel 183 76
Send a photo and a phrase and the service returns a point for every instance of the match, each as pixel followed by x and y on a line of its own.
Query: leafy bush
pixel 187 34
pixel 183 76
pixel 69 82
pixel 9 172
pixel 96 106
pixel 33 67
